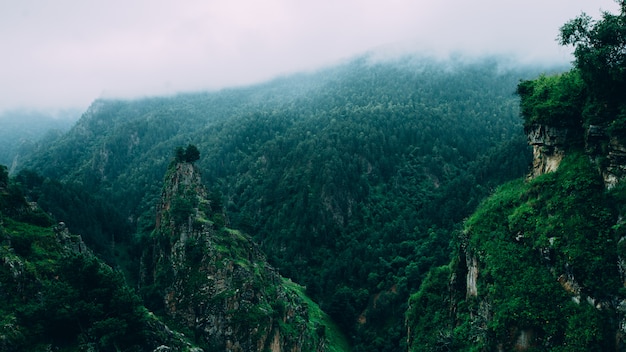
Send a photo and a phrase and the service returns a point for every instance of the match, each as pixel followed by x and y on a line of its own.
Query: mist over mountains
pixel 353 179
pixel 385 203
pixel 22 129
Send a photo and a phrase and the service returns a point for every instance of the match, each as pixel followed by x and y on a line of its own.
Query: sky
pixel 67 53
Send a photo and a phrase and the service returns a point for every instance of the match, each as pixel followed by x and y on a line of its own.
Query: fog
pixel 66 53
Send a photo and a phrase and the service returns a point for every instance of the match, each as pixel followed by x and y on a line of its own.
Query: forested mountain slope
pixel 540 265
pixel 57 295
pixel 21 130
pixel 352 179
pixel 210 283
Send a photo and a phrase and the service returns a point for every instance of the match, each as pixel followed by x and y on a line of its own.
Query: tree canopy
pixel 353 180
pixel 189 154
pixel 556 100
pixel 600 52
pixel 4 176
pixel 543 249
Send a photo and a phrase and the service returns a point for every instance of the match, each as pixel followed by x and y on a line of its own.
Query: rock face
pixel 70 243
pixel 542 262
pixel 550 143
pixel 616 168
pixel 548 148
pixel 472 276
pixel 214 281
pixel 608 152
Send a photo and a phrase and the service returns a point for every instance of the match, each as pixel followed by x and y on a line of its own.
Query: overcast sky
pixel 66 53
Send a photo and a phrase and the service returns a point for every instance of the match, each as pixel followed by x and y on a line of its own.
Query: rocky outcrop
pixel 608 152
pixel 615 169
pixel 472 276
pixel 69 242
pixel 215 281
pixel 475 262
pixel 548 145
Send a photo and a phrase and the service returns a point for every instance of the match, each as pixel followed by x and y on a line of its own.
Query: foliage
pixel 429 317
pixel 531 240
pixel 4 176
pixel 189 154
pixel 86 213
pixel 352 179
pixel 321 321
pixel 182 208
pixel 555 100
pixel 22 130
pixel 601 59
pixel 55 299
pixel 13 203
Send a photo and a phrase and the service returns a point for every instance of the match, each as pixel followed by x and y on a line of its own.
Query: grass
pixel 336 340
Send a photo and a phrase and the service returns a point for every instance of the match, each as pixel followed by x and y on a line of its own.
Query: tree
pixel 4 176
pixel 600 52
pixel 553 100
pixel 186 155
pixel 192 153
pixel 179 154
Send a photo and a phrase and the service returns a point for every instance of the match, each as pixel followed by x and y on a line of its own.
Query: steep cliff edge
pixel 540 264
pixel 550 143
pixel 215 283
pixel 58 296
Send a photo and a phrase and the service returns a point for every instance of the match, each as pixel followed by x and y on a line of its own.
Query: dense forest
pixel 22 129
pixel 378 205
pixel 539 265
pixel 352 179
pixel 57 294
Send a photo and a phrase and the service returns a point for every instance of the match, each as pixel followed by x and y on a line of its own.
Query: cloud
pixel 69 52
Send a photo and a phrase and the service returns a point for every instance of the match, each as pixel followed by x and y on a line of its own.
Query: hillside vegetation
pixel 57 295
pixel 539 266
pixel 22 130
pixel 351 179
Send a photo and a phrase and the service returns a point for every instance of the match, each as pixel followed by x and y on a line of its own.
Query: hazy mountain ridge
pixel 351 178
pixel 21 130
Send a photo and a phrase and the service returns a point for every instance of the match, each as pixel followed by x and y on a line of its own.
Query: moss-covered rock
pixel 214 283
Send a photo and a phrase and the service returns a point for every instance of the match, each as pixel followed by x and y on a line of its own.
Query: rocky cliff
pixel 540 264
pixel 548 145
pixel 551 142
pixel 57 295
pixel 214 282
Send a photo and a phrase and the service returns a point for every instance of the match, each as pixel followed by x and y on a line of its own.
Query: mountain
pixel 206 281
pixel 57 295
pixel 21 130
pixel 539 266
pixel 214 281
pixel 352 179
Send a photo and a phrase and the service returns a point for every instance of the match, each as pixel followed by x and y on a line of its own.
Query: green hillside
pixel 352 179
pixel 58 296
pixel 539 266
pixel 21 130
